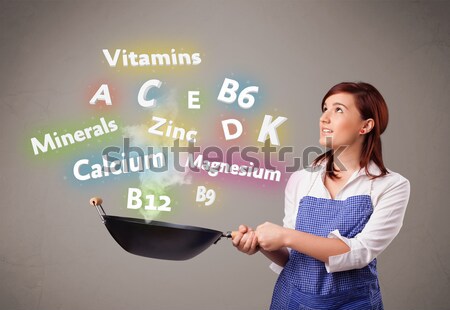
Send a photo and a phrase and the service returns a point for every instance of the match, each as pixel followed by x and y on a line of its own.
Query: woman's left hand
pixel 271 237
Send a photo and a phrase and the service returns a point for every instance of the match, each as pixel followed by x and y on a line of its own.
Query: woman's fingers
pixel 243 229
pixel 251 246
pixel 254 242
pixel 248 242
pixel 237 239
pixel 245 240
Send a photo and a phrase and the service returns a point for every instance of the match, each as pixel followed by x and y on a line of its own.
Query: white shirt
pixel 389 194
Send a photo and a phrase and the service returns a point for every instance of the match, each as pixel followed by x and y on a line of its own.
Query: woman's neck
pixel 347 159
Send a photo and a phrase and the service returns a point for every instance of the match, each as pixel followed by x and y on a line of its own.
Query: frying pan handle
pixel 97 203
pixel 230 234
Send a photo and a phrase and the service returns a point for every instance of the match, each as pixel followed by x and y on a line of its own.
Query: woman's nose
pixel 324 118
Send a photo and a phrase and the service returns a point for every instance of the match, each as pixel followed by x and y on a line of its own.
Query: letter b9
pixel 203 195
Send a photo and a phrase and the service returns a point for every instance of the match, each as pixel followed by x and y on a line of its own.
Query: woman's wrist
pixel 286 237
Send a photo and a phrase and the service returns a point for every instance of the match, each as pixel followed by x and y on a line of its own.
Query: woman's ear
pixel 368 126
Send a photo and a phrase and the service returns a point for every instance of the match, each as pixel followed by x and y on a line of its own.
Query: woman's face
pixel 340 115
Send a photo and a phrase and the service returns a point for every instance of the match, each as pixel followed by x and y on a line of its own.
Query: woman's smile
pixel 326 131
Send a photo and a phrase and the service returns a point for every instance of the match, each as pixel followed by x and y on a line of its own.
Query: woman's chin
pixel 328 144
pixel 325 142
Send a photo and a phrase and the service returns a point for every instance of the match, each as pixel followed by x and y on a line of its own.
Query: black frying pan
pixel 157 239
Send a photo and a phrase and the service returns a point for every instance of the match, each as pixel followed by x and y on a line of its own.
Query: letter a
pixel 102 94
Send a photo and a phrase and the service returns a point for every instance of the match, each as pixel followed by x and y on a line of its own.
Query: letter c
pixel 76 170
pixel 144 91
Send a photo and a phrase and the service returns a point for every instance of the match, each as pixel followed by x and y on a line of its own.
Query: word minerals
pixel 56 141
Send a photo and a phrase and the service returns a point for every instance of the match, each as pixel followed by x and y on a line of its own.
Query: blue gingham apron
pixel 304 283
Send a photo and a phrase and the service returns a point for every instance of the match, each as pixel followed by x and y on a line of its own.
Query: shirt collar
pixel 372 168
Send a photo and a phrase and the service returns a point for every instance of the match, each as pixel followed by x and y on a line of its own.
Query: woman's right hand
pixel 245 240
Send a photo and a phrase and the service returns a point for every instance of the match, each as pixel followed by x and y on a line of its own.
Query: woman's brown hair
pixel 370 104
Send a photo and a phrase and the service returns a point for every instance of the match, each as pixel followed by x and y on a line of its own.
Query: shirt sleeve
pixel 290 207
pixel 382 227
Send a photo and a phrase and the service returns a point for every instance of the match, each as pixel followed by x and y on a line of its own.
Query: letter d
pixel 226 129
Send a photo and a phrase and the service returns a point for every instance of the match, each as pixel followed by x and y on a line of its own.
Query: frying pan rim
pixel 161 224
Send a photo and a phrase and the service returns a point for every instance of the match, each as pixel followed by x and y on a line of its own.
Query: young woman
pixel 340 213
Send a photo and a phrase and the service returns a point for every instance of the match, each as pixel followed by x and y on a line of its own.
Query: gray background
pixel 54 252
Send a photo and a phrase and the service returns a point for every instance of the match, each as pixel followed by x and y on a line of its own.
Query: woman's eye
pixel 337 109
